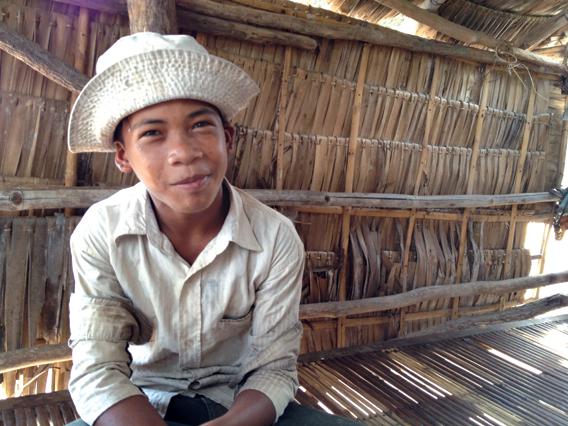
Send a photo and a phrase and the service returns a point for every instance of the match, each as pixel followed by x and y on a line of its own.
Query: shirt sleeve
pixel 270 363
pixel 102 323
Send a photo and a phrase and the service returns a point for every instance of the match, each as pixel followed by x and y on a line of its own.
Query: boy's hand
pixel 135 410
pixel 250 408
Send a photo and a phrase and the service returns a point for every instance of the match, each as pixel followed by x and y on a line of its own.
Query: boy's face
pixel 178 149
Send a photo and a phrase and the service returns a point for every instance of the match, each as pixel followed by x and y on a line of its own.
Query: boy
pixel 186 289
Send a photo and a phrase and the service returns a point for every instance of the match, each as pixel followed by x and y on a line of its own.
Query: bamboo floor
pixel 509 374
pixel 502 377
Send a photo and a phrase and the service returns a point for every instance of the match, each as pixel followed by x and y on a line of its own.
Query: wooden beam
pixel 40 60
pixel 412 297
pixel 466 35
pixel 34 356
pixel 211 25
pixel 352 30
pixel 28 199
pixel 524 312
pixel 158 16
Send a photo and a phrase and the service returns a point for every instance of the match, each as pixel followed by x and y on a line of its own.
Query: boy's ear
pixel 229 137
pixel 121 159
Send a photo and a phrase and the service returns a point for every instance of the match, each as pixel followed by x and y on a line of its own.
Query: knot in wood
pixel 16 197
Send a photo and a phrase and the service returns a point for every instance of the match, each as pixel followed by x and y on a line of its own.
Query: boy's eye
pixel 150 133
pixel 201 123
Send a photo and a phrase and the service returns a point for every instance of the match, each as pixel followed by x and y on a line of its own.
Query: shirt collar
pixel 137 218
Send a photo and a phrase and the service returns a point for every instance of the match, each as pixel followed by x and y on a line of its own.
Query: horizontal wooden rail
pixel 31 402
pixel 27 199
pixel 377 304
pixel 34 356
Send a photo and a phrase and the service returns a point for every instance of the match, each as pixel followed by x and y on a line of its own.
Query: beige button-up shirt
pixel 143 319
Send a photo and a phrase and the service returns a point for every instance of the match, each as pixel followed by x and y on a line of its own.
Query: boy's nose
pixel 183 150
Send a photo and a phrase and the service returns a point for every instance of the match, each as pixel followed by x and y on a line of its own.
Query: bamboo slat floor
pixel 508 374
pixel 505 376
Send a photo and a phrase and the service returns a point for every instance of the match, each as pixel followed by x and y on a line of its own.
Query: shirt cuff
pixel 92 407
pixel 279 388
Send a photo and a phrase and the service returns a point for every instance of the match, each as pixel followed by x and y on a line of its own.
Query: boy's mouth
pixel 193 182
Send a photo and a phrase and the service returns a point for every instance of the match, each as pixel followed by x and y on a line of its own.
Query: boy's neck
pixel 190 233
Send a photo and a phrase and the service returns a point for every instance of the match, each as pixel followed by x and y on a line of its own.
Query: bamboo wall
pixel 424 121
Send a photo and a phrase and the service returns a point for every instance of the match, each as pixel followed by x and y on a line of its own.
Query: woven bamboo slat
pixel 468 378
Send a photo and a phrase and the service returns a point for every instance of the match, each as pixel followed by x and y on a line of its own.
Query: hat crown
pixel 145 42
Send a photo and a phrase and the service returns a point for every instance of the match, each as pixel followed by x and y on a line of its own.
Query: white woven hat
pixel 144 69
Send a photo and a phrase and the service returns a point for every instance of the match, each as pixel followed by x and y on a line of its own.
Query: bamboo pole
pixel 82 41
pixel 422 294
pixel 352 30
pixel 473 172
pixel 28 199
pixel 282 118
pixel 40 60
pixel 459 32
pixel 349 178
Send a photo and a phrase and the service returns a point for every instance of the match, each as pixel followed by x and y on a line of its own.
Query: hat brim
pixel 148 79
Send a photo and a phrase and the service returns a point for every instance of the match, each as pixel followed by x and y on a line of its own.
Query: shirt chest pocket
pixel 227 340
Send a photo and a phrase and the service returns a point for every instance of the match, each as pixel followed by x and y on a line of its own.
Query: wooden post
pixel 473 170
pixel 282 118
pixel 152 15
pixel 349 178
pixel 82 40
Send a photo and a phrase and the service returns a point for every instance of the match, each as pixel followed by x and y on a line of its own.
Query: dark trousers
pixel 186 411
